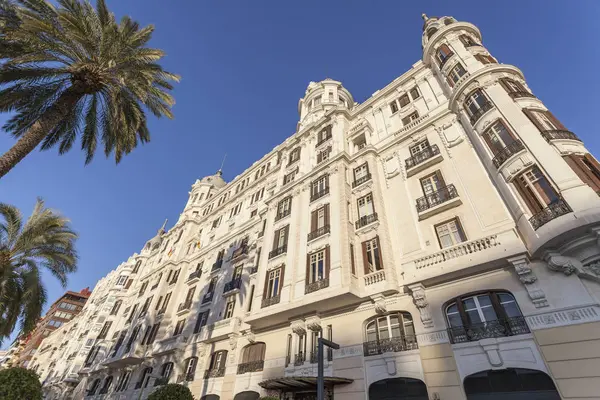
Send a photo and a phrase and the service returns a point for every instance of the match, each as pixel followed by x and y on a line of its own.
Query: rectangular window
pixel 475 101
pixel 456 73
pixel 165 303
pixel 216 223
pixel 372 255
pixel 190 295
pixel 179 327
pixel 290 177
pixel 104 331
pixel 281 237
pixel 361 172
pixel 536 190
pixel 122 279
pixel 404 101
pixel 229 307
pixel 324 135
pixel 201 321
pixel 432 183
pixel 317 101
pixel 323 155
pixel 365 206
pixel 394 107
pixel 284 208
pixel 414 93
pixel 352 263
pixel 410 118
pixel 443 54
pixel 294 156
pixel 512 86
pixel 273 284
pixel 498 137
pixel 450 233
pixel 486 59
pixel 319 187
pixel 317 266
pixel 587 168
pixel 419 147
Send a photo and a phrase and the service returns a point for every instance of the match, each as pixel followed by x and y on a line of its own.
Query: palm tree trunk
pixel 38 131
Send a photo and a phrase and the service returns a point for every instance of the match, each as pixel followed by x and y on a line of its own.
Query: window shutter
pixel 327 261
pixel 365 258
pixel 313 220
pixel 266 285
pixel 463 39
pixel 582 171
pixel 592 161
pixel 307 278
pixel 319 157
pixel 379 251
pixel 327 222
pixel 505 85
pixel 438 173
pixel 531 202
pixel 533 119
pixel 445 48
pixel 286 235
pixel 276 239
pixel 281 279
pixel 555 120
pixel 492 59
pixel 128 284
pixel 450 81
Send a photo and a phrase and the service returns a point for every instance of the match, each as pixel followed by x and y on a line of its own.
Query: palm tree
pixel 72 70
pixel 44 241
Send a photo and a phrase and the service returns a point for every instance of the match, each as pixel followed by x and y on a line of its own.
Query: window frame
pixel 460 231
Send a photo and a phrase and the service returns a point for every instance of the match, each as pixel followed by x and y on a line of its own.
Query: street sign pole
pixel 321 365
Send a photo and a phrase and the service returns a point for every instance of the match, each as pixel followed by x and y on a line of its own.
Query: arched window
pixel 511 383
pixel 116 307
pixel 443 54
pixel 217 364
pixel 190 368
pixel 484 315
pixel 92 390
pixel 431 32
pixel 144 378
pixel 392 332
pixel 398 388
pixel 106 386
pixel 247 395
pixel 253 358
pixel 137 266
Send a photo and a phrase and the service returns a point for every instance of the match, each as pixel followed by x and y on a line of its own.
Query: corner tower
pixel 321 97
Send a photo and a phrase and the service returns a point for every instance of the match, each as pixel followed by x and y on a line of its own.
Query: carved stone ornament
pixel 420 300
pixel 233 341
pixel 380 306
pixel 529 280
pixel 314 324
pixel 570 266
pixel 298 327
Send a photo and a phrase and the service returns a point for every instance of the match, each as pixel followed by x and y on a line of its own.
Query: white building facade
pixel 445 233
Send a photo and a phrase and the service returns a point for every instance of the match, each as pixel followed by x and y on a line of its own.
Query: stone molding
pixel 565 317
pixel 529 280
pixel 418 294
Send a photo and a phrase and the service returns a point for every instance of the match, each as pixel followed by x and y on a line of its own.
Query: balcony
pixel 487 106
pixel 234 284
pixel 253 366
pixel 318 232
pixel 132 354
pixel 316 285
pixel 283 214
pixel 299 359
pixel 504 154
pixel 194 276
pixel 184 307
pixel 554 210
pixel 208 297
pixel 374 277
pixel 486 330
pixel 445 60
pixel 366 220
pixel 217 265
pixel 222 329
pixel 520 94
pixel 317 195
pixel 239 252
pixel 361 180
pixel 214 373
pixel 326 139
pixel 390 345
pixel 423 159
pixel 269 301
pixel 559 134
pixel 278 251
pixel 169 345
pixel 460 250
pixel 431 203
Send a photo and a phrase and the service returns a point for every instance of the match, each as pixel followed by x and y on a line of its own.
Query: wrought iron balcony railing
pixel 269 301
pixel 436 198
pixel 208 297
pixel 361 180
pixel 422 156
pixel 554 210
pixel 491 329
pixel 252 366
pixel 214 373
pixel 480 111
pixel 232 285
pixel 390 345
pixel 278 251
pixel 317 195
pixel 366 220
pixel 519 94
pixel 559 134
pixel 319 232
pixel 316 285
pixel 506 152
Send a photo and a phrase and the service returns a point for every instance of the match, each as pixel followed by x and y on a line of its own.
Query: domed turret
pixel 203 188
pixel 432 25
pixel 320 97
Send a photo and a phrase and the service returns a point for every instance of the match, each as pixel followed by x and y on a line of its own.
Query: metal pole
pixel 320 371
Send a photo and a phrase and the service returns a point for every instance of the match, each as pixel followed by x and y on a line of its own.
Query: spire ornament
pixel 424 16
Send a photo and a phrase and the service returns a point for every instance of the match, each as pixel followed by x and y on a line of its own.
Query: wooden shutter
pixel 582 171
pixel 281 277
pixel 532 203
pixel 326 206
pixel 503 82
pixel 592 161
pixel 365 258
pixel 379 251
pixel 276 239
pixel 450 81
pixel 319 157
pixel 314 220
pixel 463 39
pixel 533 119
pixel 266 285
pixel 556 122
pixel 286 235
pixel 128 284
pixel 307 278
pixel 327 261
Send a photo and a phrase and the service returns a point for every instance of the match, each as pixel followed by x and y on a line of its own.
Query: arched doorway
pixel 510 384
pixel 247 395
pixel 210 397
pixel 398 389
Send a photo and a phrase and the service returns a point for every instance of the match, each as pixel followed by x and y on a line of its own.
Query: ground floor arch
pixel 398 389
pixel 210 397
pixel 247 395
pixel 510 384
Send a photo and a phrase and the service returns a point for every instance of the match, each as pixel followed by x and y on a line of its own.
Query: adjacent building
pixel 444 232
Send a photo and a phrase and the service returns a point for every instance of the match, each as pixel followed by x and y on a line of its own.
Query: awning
pixel 300 383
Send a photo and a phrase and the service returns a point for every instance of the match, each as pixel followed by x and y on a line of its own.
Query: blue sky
pixel 245 64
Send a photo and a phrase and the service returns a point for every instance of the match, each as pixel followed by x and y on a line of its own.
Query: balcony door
pixel 389 332
pixel 498 137
pixel 432 183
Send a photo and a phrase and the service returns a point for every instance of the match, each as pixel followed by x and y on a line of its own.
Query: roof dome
pixel 433 24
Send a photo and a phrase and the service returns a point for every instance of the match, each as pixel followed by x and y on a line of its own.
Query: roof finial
pixel 424 16
pixel 220 171
pixel 162 228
